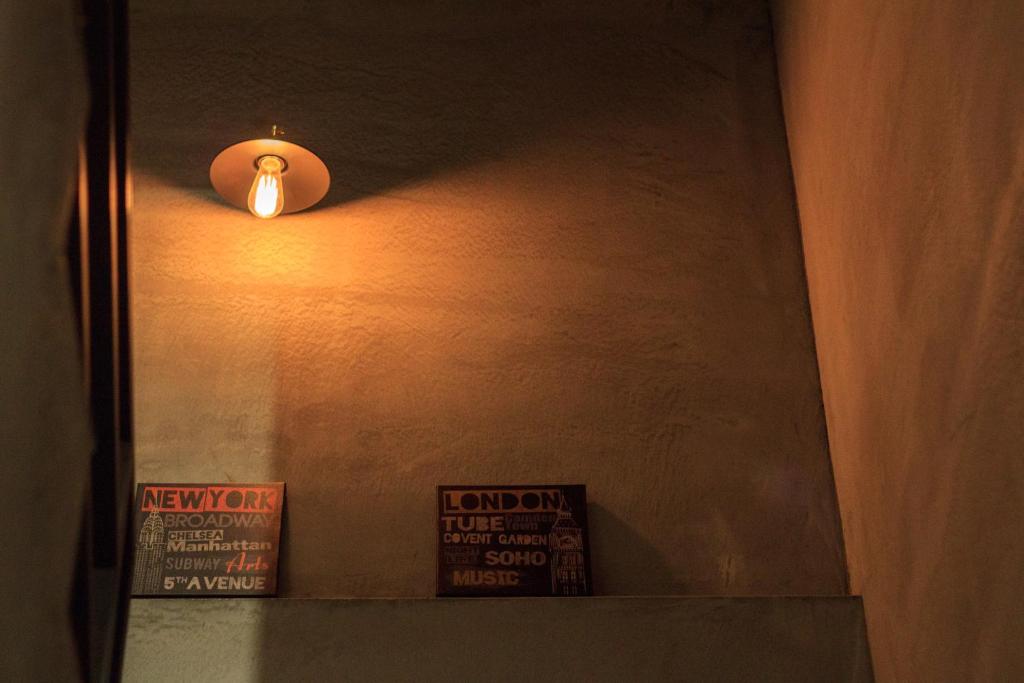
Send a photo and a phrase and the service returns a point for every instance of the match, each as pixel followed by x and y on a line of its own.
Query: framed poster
pixel 512 540
pixel 206 539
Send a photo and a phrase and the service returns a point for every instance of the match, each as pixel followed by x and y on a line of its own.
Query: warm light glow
pixel 266 198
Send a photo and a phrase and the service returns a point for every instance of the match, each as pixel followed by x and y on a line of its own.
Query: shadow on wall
pixel 388 96
pixel 619 550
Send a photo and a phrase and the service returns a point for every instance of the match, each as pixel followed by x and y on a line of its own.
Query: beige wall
pixel 906 125
pixel 560 245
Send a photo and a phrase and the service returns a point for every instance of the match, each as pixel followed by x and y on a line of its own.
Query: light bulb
pixel 266 197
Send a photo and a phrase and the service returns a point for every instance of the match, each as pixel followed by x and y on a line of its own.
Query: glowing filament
pixel 266 198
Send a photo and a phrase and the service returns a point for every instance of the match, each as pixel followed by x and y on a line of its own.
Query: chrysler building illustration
pixel 149 554
pixel 565 540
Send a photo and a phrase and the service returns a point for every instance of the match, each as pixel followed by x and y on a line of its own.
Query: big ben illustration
pixel 149 554
pixel 565 541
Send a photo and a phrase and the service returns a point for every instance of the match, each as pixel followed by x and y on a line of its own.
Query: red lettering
pixel 173 499
pixel 241 499
pixel 209 499
pixel 246 564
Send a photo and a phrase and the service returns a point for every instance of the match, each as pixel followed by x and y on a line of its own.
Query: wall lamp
pixel 269 176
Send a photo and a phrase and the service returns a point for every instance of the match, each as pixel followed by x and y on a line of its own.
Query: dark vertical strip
pixel 126 418
pixel 101 253
pixel 74 254
pixel 121 150
pixel 100 272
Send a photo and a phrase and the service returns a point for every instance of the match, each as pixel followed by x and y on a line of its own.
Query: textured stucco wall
pixel 784 640
pixel 560 245
pixel 906 124
pixel 44 436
